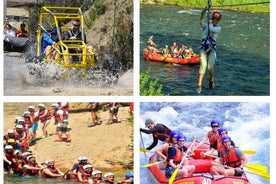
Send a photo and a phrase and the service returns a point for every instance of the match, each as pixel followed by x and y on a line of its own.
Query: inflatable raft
pixel 150 56
pixel 201 175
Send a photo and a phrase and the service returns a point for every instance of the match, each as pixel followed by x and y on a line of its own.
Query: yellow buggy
pixel 59 18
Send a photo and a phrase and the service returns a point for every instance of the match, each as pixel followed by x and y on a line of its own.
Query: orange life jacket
pixel 231 160
pixel 214 139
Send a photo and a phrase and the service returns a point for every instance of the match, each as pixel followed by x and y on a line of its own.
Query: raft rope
pixel 243 4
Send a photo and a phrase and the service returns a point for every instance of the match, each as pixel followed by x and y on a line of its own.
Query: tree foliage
pixel 149 86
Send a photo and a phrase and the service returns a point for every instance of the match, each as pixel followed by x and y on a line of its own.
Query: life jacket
pixel 31 172
pixel 28 121
pixel 178 156
pixel 214 140
pixel 57 116
pixel 16 165
pixel 208 41
pixel 165 134
pixel 47 117
pixel 85 175
pixel 9 156
pixel 231 160
pixel 65 108
pixel 44 175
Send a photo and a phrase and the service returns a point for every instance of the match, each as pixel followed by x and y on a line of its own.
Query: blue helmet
pixel 225 138
pixel 214 123
pixel 222 130
pixel 174 133
pixel 129 175
pixel 180 137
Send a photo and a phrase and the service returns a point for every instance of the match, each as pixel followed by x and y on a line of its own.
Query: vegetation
pixel 148 86
pixel 95 11
pixel 239 5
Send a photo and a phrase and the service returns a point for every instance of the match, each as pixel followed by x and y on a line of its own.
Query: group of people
pixel 113 108
pixel 19 160
pixel 172 51
pixel 228 159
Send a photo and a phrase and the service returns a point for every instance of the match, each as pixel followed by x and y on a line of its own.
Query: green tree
pixel 148 86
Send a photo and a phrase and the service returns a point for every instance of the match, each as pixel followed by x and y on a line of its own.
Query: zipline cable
pixel 243 4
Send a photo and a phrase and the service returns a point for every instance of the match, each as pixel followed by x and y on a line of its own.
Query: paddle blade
pixel 265 176
pixel 257 168
pixel 249 152
pixel 144 150
pixel 173 176
pixel 152 164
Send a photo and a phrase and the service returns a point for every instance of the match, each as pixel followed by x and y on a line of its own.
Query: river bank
pixel 262 6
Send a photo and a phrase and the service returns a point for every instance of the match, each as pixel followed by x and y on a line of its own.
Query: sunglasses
pixel 215 126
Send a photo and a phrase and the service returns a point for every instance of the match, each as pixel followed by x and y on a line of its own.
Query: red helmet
pixel 216 15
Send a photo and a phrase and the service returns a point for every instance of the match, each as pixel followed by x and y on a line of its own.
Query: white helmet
pixel 16 151
pixel 31 107
pixel 20 118
pixel 108 174
pixel 10 131
pixel 8 147
pixel 26 154
pixel 82 158
pixel 29 157
pixel 96 172
pixel 55 105
pixel 41 105
pixel 87 166
pixel 19 126
pixel 26 112
pixel 47 161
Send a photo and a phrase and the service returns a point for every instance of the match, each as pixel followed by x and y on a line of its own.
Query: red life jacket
pixel 65 108
pixel 44 175
pixel 35 119
pixel 178 156
pixel 9 156
pixel 214 138
pixel 47 117
pixel 57 116
pixel 28 122
pixel 231 160
pixel 31 172
pixel 16 165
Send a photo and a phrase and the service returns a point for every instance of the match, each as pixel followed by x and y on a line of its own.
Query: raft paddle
pixel 256 167
pixel 264 175
pixel 152 164
pixel 173 176
pixel 143 145
pixel 249 152
pixel 144 150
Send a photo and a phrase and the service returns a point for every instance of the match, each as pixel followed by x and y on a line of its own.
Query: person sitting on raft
pixel 151 45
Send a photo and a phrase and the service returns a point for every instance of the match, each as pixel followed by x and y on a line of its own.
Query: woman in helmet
pixel 45 118
pixel 223 132
pixel 231 157
pixel 210 32
pixel 214 140
pixel 51 171
pixel 175 156
pixel 162 151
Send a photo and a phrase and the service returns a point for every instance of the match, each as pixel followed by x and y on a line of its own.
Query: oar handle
pixel 188 150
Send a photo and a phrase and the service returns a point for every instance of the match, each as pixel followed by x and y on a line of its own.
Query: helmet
pixel 8 147
pixel 81 158
pixel 11 141
pixel 55 105
pixel 26 154
pixel 214 123
pixel 31 107
pixel 30 156
pixel 20 119
pixel 181 137
pixel 48 161
pixel 19 126
pixel 216 15
pixel 96 172
pixel 222 130
pixel 87 166
pixel 108 174
pixel 26 112
pixel 16 152
pixel 129 175
pixel 10 131
pixel 148 122
pixel 225 138
pixel 174 133
pixel 41 105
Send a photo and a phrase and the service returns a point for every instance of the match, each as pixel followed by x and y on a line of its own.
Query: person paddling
pixel 158 131
pixel 210 32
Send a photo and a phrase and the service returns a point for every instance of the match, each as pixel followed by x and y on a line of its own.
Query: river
pixel 248 124
pixel 243 67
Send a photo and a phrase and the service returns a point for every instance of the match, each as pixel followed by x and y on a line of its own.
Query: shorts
pixel 207 58
pixel 46 121
pixel 238 173
pixel 114 110
pixel 169 171
pixel 34 127
pixel 62 129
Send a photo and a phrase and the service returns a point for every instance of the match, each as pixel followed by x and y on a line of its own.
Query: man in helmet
pixel 45 119
pixel 158 131
pixel 77 167
pixel 51 171
pixel 175 156
pixel 214 140
pixel 231 161
pixel 210 32
pixel 223 132
pixel 85 176
pixel 8 158
pixel 109 178
pixel 32 168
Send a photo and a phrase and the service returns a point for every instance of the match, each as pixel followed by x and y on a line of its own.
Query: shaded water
pixel 242 47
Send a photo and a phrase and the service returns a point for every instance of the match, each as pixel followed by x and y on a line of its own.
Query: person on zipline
pixel 210 32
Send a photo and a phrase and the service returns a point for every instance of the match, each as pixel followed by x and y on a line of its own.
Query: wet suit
pixel 159 132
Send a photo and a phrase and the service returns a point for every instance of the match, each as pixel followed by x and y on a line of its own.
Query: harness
pixel 165 134
pixel 208 43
